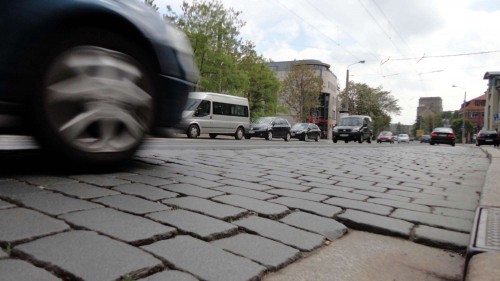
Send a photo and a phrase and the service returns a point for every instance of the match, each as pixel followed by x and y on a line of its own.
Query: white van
pixel 215 114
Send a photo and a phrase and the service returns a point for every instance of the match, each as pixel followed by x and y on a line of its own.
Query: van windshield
pixel 351 121
pixel 192 104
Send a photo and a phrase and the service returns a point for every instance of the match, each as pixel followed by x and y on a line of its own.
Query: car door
pixel 203 116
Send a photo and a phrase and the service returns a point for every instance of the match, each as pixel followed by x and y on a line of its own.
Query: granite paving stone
pixel 100 180
pixel 441 238
pixel 126 227
pixel 5 205
pixel 329 228
pixel 359 205
pixel 326 181
pixel 19 225
pixel 196 181
pixel 401 205
pixel 44 180
pixel 169 275
pixel 267 252
pixel 204 260
pixel 159 172
pixel 361 185
pixel 298 194
pixel 285 174
pixel 145 191
pixel 464 214
pixel 328 186
pixel 65 252
pixel 261 207
pixel 398 187
pixel 19 270
pixel 10 189
pixel 245 192
pixel 243 177
pixel 155 181
pixel 464 205
pixel 210 208
pixel 287 185
pixel 82 190
pixel 339 193
pixel 297 238
pixel 415 194
pixel 283 179
pixel 192 190
pixel 200 226
pixel 132 204
pixel 54 203
pixel 375 223
pixel 451 223
pixel 245 184
pixel 308 206
pixel 383 195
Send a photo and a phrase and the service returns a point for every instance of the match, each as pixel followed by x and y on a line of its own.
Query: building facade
pixel 492 97
pixel 473 111
pixel 325 116
pixel 429 105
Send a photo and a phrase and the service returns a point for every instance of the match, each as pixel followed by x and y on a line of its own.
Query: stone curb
pixel 484 266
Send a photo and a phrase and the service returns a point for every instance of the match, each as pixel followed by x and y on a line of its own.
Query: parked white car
pixel 403 138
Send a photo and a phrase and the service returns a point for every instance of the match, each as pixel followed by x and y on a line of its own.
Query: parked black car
pixel 89 78
pixel 442 135
pixel 303 131
pixel 487 137
pixel 269 128
pixel 353 128
pixel 425 138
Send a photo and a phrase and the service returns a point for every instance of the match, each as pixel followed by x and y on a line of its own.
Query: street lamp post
pixel 346 103
pixel 463 117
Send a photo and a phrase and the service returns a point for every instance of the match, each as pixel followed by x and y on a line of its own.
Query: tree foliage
pixel 152 4
pixel 375 102
pixel 227 63
pixel 457 128
pixel 300 91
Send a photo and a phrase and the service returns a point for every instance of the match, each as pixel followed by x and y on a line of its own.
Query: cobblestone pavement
pixel 231 214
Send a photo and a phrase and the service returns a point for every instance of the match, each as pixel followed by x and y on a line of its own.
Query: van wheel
pixel 212 136
pixel 193 131
pixel 239 134
pixel 269 135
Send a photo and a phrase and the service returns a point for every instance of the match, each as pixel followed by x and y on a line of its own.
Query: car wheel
pixel 360 140
pixel 334 141
pixel 317 138
pixel 239 134
pixel 212 136
pixel 477 144
pixel 95 99
pixel 288 137
pixel 369 140
pixel 346 141
pixel 431 143
pixel 269 135
pixel 452 144
pixel 193 131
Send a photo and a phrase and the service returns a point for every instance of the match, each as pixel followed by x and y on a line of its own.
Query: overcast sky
pixel 412 48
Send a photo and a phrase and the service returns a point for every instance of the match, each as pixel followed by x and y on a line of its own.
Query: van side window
pixel 203 109
pixel 230 109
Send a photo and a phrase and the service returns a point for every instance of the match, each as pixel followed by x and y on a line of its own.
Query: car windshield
pixel 443 130
pixel 403 136
pixel 192 104
pixel 385 133
pixel 264 120
pixel 300 126
pixel 351 121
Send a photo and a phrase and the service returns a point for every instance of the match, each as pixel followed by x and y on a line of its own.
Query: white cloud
pixel 342 32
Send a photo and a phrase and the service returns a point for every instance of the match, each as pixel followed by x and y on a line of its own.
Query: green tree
pixel 375 102
pixel 300 91
pixel 457 129
pixel 152 4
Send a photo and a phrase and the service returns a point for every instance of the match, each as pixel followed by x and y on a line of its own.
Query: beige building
pixel 492 108
pixel 326 115
pixel 429 105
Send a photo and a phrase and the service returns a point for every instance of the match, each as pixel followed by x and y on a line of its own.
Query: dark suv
pixel 269 127
pixel 353 128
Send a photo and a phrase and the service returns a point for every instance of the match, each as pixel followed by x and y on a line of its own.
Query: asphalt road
pixel 223 209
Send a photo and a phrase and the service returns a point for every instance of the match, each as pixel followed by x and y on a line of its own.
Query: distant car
pixel 487 137
pixel 425 138
pixel 403 138
pixel 442 135
pixel 353 128
pixel 303 131
pixel 385 136
pixel 90 78
pixel 269 128
pixel 395 138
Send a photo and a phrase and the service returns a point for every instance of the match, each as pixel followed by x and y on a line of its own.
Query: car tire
pixel 452 144
pixel 477 144
pixel 369 139
pixel 269 135
pixel 288 137
pixel 431 143
pixel 360 140
pixel 346 141
pixel 239 134
pixel 334 141
pixel 193 131
pixel 72 118
pixel 212 136
pixel 317 138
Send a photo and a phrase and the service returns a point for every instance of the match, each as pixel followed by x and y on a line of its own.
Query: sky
pixel 411 48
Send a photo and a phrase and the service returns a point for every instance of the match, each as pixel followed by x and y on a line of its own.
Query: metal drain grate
pixel 488 229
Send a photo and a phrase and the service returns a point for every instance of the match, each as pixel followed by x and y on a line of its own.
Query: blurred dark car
pixel 89 78
pixel 487 137
pixel 303 131
pixel 385 136
pixel 269 128
pixel 442 135
pixel 425 138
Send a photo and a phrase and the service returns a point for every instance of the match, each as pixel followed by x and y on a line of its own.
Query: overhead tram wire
pixel 449 55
